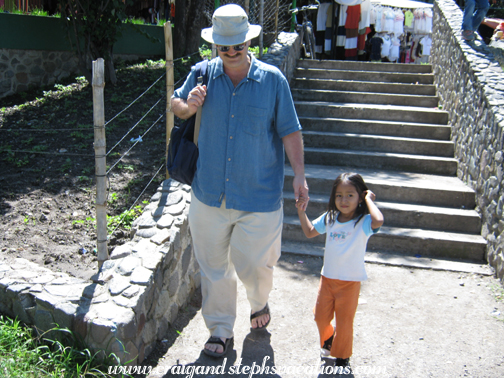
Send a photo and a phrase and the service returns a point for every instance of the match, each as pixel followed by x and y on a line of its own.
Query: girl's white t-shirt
pixel 345 247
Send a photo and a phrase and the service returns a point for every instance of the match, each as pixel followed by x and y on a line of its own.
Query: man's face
pixel 233 58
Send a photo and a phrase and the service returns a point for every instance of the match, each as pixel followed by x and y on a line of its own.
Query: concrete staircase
pixel 382 120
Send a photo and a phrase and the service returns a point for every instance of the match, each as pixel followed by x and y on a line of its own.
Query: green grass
pixel 23 354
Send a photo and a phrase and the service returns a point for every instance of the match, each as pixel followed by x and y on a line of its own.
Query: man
pixel 472 19
pixel 236 213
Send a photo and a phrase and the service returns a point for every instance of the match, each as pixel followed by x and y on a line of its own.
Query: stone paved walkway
pixel 409 323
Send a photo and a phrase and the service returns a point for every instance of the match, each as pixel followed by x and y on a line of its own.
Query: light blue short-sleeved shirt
pixel 345 247
pixel 241 154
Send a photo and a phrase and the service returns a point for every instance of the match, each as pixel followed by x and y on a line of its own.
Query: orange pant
pixel 340 298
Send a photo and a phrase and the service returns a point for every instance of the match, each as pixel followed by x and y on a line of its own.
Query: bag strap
pixel 201 71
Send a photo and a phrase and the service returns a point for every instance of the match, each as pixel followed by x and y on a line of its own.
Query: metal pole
pixel 276 19
pixel 170 120
pixel 293 20
pixel 100 160
pixel 261 22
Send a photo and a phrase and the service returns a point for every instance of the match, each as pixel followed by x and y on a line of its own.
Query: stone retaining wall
pixel 470 84
pixel 284 53
pixel 130 303
pixel 22 69
pixel 135 296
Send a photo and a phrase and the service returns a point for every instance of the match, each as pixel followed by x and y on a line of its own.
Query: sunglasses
pixel 236 48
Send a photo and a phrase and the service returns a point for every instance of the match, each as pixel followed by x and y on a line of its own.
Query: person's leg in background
pixel 482 7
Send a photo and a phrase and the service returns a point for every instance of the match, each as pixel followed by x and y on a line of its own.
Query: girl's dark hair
pixel 358 182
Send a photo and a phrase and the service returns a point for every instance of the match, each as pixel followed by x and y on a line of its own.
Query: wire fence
pixel 147 125
pixel 276 16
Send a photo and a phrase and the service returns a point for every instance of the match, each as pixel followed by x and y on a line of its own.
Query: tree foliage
pixel 93 27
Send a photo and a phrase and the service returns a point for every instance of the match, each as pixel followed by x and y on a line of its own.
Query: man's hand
pixel 186 108
pixel 300 192
pixel 196 98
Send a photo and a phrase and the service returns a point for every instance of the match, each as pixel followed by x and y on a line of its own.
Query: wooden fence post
pixel 100 160
pixel 169 86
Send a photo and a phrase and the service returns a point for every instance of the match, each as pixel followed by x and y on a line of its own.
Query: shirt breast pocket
pixel 254 120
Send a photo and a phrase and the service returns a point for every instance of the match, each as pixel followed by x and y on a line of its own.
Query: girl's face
pixel 347 200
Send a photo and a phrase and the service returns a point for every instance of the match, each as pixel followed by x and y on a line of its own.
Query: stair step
pixel 391 128
pixel 364 97
pixel 383 121
pixel 365 66
pixel 395 113
pixel 364 86
pixel 381 160
pixel 410 241
pixel 378 143
pixel 401 215
pixel 385 258
pixel 390 186
pixel 372 76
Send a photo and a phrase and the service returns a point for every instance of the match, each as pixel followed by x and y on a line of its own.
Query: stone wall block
pixel 128 264
pixel 20 312
pixel 99 330
pixel 186 259
pixel 162 327
pixel 64 314
pixel 173 312
pixel 149 332
pixel 126 325
pixel 163 304
pixel 141 276
pixel 174 284
pixel 183 294
pixel 44 320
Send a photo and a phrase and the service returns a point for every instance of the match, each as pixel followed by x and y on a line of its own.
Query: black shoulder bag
pixel 183 146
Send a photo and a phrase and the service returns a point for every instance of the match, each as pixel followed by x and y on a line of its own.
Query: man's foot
pixel 260 319
pixel 217 346
pixel 468 35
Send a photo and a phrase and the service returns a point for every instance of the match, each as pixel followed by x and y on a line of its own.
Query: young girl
pixel 351 218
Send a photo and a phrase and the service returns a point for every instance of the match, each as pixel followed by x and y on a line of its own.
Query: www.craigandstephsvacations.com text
pixel 189 371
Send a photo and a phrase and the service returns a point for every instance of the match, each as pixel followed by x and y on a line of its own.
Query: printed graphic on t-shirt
pixel 340 236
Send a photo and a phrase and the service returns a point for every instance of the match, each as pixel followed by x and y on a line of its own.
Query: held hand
pixel 196 98
pixel 301 191
pixel 302 203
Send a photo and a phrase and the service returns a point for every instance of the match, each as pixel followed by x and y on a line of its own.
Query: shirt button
pixel 227 179
pixel 232 116
pixel 230 137
pixel 234 94
pixel 229 159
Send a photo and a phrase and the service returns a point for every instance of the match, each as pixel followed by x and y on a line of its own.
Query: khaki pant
pixel 229 244
pixel 340 298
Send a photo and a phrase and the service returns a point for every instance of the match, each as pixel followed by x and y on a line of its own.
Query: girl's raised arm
pixel 376 214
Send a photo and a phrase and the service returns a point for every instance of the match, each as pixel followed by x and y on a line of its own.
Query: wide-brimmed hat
pixel 230 27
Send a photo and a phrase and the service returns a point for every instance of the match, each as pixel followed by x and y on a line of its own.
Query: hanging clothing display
pixel 377 30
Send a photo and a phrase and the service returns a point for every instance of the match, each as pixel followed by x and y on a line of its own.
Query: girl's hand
pixel 302 203
pixel 368 194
